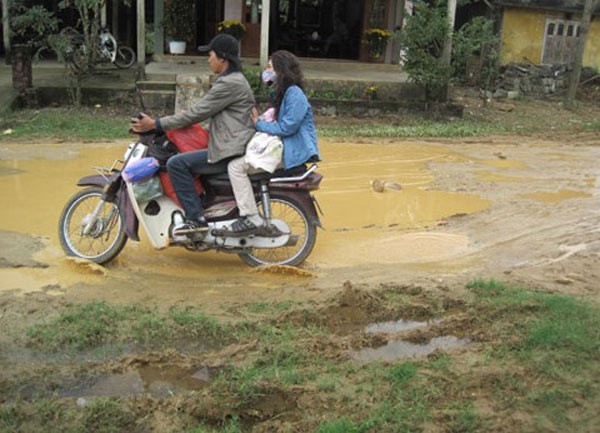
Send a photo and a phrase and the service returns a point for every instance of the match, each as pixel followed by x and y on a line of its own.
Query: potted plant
pixel 29 31
pixel 233 28
pixel 376 40
pixel 180 24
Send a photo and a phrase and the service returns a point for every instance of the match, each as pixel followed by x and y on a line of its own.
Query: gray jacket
pixel 228 103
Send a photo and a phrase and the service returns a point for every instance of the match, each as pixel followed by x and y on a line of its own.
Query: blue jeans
pixel 182 168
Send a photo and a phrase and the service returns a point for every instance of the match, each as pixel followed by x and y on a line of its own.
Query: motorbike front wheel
pixel 125 57
pixel 303 232
pixel 105 237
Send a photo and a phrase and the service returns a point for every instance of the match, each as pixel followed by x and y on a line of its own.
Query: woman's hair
pixel 288 71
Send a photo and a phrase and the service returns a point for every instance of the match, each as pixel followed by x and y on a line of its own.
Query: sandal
pixel 241 227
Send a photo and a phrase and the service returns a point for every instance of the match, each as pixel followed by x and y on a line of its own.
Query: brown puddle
pixel 160 382
pixel 362 225
pixel 555 197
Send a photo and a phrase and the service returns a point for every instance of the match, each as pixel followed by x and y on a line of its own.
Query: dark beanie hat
pixel 223 44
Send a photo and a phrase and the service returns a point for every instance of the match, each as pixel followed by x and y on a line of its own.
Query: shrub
pixel 422 39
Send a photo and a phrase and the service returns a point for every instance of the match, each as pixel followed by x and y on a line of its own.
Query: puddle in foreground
pixel 397 326
pixel 160 382
pixel 399 349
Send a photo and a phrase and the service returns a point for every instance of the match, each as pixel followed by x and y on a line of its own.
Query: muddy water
pixel 363 224
pixel 398 349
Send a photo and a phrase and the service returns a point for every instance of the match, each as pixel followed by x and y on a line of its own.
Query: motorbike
pixel 122 56
pixel 97 222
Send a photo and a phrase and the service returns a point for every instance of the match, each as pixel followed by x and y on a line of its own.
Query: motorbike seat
pixel 258 177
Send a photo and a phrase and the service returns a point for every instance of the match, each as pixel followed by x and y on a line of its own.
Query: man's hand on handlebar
pixel 142 123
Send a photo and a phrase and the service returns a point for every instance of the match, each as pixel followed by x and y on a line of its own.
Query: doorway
pixel 320 28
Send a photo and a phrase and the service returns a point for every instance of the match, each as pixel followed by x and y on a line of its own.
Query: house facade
pixel 547 32
pixel 329 29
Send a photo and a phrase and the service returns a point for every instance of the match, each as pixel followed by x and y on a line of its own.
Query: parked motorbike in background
pixel 109 50
pixel 96 222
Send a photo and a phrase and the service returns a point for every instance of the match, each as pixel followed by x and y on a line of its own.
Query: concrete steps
pixel 157 93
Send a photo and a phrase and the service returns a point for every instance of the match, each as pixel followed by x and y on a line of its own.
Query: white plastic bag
pixel 264 151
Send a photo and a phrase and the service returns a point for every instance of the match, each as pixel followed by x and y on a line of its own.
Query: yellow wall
pixel 523 37
pixel 591 55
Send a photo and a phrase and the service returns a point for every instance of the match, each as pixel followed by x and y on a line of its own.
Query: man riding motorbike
pixel 228 104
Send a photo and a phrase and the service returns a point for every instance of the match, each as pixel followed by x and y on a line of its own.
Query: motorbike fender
pixel 129 217
pixel 304 199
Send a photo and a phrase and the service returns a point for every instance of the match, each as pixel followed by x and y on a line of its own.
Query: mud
pixel 519 209
pixel 510 207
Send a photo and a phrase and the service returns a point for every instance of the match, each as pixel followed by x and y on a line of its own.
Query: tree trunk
pixel 588 8
pixel 21 67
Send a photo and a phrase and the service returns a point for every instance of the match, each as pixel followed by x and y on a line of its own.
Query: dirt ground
pixel 537 224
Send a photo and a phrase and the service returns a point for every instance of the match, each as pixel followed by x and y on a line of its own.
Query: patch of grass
pixel 64 124
pixel 106 415
pixel 463 418
pixel 88 326
pixel 229 426
pixel 80 327
pixel 269 307
pixel 416 128
pixel 11 418
pixel 341 425
pixel 553 338
pixel 401 374
pixel 195 323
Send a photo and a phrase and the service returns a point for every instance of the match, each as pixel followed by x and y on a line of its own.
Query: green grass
pixel 534 353
pixel 555 339
pixel 91 325
pixel 64 124
pixel 415 128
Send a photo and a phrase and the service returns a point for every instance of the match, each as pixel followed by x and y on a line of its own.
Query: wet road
pixel 377 200
pixel 395 211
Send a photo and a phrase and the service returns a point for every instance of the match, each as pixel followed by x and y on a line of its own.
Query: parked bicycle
pixel 109 50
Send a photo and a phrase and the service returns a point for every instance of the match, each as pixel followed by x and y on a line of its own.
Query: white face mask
pixel 268 76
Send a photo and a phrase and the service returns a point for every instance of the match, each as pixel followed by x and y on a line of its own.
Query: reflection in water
pixel 361 226
pixel 160 382
pixel 399 349
pixel 397 326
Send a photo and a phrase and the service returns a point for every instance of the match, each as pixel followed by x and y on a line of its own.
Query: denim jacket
pixel 296 127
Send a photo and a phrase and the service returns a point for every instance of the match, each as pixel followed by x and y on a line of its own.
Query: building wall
pixel 233 10
pixel 523 36
pixel 591 55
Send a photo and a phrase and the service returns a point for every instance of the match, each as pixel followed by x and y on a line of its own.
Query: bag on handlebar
pixel 164 146
pixel 189 138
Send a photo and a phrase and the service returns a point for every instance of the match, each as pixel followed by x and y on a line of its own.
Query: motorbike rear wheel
pixel 286 209
pixel 106 237
pixel 125 57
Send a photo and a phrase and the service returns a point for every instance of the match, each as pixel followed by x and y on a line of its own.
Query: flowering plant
pixel 376 40
pixel 233 28
pixel 370 93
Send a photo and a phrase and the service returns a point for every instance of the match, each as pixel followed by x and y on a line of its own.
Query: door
pixel 251 15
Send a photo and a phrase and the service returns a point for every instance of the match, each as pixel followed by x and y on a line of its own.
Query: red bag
pixel 193 137
pixel 187 139
pixel 167 186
